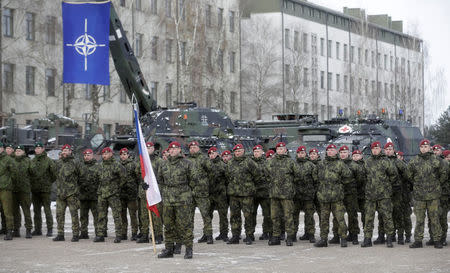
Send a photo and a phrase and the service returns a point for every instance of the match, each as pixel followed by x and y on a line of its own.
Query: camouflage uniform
pixel 43 172
pixel 407 204
pixel 129 195
pixel 67 188
pixel 112 178
pixel 261 197
pixel 174 177
pixel 332 175
pixel 445 202
pixel 7 171
pixel 22 193
pixel 398 214
pixel 218 192
pixel 427 174
pixel 381 174
pixel 89 180
pixel 305 194
pixel 316 187
pixel 360 188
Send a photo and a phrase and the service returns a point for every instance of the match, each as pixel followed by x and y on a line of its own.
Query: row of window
pixel 30 78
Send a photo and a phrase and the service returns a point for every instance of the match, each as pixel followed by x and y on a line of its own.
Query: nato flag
pixel 86 42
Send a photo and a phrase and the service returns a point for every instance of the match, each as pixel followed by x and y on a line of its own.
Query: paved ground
pixel 41 254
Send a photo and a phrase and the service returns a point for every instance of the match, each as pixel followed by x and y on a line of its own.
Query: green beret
pixel 9 146
pixel 38 144
pixel 20 147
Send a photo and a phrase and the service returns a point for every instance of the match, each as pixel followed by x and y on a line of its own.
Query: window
pixel 345 53
pixel 154 90
pixel 107 130
pixel 305 42
pixel 106 92
pixel 391 62
pixel 322 112
pixel 385 61
pixel 286 72
pixel 322 46
pixel 169 50
pixel 286 38
pixel 7 22
pixel 373 89
pixel 50 75
pixel 305 108
pixel 29 80
pixel 392 91
pixel 208 15
pixel 329 48
pixel 154 48
pixel 373 59
pixel 88 92
pixel 137 4
pixel 338 82
pixel 366 57
pixel 378 60
pixel 8 77
pixel 181 10
pixel 337 50
pixel 296 37
pixel 329 80
pixel 359 56
pixel 183 52
pixel 379 91
pixel 366 87
pixel 220 59
pixel 209 97
pixel 122 3
pixel 352 84
pixel 305 77
pixel 352 54
pixel 30 26
pixel 154 7
pixel 345 83
pixel 168 8
pixel 231 15
pixel 168 94
pixel 123 95
pixel 51 32
pixel 292 106
pixel 359 86
pixel 322 79
pixel 220 102
pixel 138 45
pixel 233 96
pixel 209 58
pixel 232 61
pixel 70 90
pixel 220 17
pixel 386 91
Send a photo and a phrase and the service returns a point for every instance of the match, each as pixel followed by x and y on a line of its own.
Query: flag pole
pixel 152 231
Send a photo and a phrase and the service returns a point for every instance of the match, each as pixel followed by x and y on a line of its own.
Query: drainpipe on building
pixel 282 57
pixel 1 69
pixel 240 68
pixel 422 125
pixel 350 65
pixel 328 57
pixel 377 63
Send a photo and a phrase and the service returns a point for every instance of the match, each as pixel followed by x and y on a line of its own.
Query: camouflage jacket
pixel 89 180
pixel 129 190
pixel 43 172
pixel 175 176
pixel 427 174
pixel 67 177
pixel 262 186
pixel 21 181
pixel 316 176
pixel 284 175
pixel 401 172
pixel 357 171
pixel 112 178
pixel 333 173
pixel 445 186
pixel 381 174
pixel 216 176
pixel 7 171
pixel 155 163
pixel 199 185
pixel 306 189
pixel 361 179
pixel 242 172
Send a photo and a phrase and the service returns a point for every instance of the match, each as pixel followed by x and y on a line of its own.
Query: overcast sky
pixel 432 21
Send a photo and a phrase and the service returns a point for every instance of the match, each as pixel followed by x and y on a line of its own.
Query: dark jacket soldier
pixel 7 171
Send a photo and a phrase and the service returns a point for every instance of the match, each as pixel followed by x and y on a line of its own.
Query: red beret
pixel 356 152
pixel 123 150
pixel 166 150
pixel 269 153
pixel 226 153
pixel 437 147
pixel 174 144
pixel 106 150
pixel 193 143
pixel 446 153
pixel 343 148
pixel 375 144
pixel 425 142
pixel 149 144
pixel 314 150
pixel 331 146
pixel 66 146
pixel 212 149
pixel 88 151
pixel 301 149
pixel 238 146
pixel 400 153
pixel 389 144
pixel 257 147
pixel 280 144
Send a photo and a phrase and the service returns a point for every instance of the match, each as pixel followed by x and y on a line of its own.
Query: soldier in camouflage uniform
pixel 381 175
pixel 22 192
pixel 333 174
pixel 89 180
pixel 175 176
pixel 360 182
pixel 241 172
pixel 129 194
pixel 226 156
pixel 43 172
pixel 407 200
pixel 7 171
pixel 445 197
pixel 262 194
pixel 305 193
pixel 200 187
pixel 427 174
pixel 67 193
pixel 218 191
pixel 315 159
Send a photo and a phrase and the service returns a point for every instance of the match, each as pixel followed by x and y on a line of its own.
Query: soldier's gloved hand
pixel 145 186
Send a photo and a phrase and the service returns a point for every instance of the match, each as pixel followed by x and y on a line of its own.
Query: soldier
pixel 262 194
pixel 175 176
pixel 67 193
pixel 360 182
pixel 43 171
pixel 226 156
pixel 407 199
pixel 427 174
pixel 129 194
pixel 165 154
pixel 7 171
pixel 332 174
pixel 241 174
pixel 218 191
pixel 315 159
pixel 22 192
pixel 305 193
pixel 89 180
pixel 270 154
pixel 445 198
pixel 381 174
pixel 112 179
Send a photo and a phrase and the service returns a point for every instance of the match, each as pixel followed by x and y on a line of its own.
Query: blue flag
pixel 86 42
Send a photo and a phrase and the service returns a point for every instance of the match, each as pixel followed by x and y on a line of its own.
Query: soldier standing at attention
pixel 89 180
pixel 407 199
pixel 175 177
pixel 427 174
pixel 226 156
pixel 445 197
pixel 112 178
pixel 7 171
pixel 43 171
pixel 315 159
pixel 381 175
pixel 67 193
pixel 360 182
pixel 333 174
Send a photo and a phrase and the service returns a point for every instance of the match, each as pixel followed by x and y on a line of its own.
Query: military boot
pixel 8 235
pixel 408 239
pixel 2 231
pixel 400 240
pixel 305 237
pixel 159 239
pixel 98 239
pixel 58 238
pixel 416 244
pixel 444 241
pixel 117 240
pixel 289 241
pixel 389 240
pixel 343 242
pixel 233 241
pixel 430 242
pixel 203 239
pixel 49 232
pixel 209 240
pixel 248 240
pixel 36 232
pixel 321 243
pixel 166 253
pixel 177 248
pixel 75 238
pixel 17 233
pixel 124 237
pixel 222 236
pixel 28 234
pixel 367 242
pixel 133 236
pixel 188 254
pixel 380 240
pixel 264 236
pixel 355 239
pixel 143 239
pixel 334 240
pixel 274 241
pixel 438 244
pixel 283 236
pixel 311 238
pixel 84 235
pixel 106 234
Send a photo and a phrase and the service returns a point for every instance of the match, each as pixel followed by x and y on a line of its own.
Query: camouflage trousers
pixel 407 211
pixel 384 208
pixel 2 216
pixel 204 205
pixel 22 200
pixel 244 204
pixel 132 207
pixel 317 208
pixel 284 208
pixel 74 204
pixel 361 209
pixel 351 207
pixel 116 207
pixel 156 221
pixel 85 207
pixel 444 208
pixel 265 207
pixel 338 210
pixel 431 208
pixel 219 202
pixel 178 223
pixel 6 199
pixel 306 206
pixel 41 199
pixel 398 213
